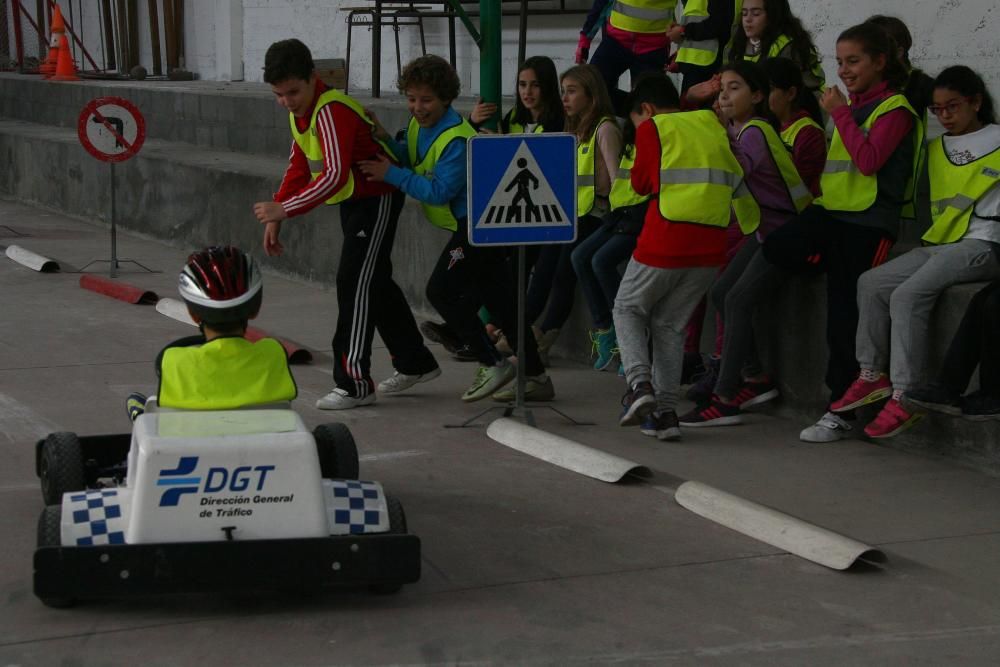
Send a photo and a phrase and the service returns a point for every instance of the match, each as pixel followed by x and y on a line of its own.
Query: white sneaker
pixel 402 381
pixel 829 428
pixel 338 399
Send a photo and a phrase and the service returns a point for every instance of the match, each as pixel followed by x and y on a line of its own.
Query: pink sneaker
pixel 863 392
pixel 892 420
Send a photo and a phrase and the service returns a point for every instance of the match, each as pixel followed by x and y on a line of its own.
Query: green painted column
pixel 490 55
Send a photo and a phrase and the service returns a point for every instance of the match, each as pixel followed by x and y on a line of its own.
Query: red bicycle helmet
pixel 221 284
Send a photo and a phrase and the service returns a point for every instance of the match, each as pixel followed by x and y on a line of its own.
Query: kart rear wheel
pixel 61 468
pixel 49 535
pixel 338 455
pixel 397 524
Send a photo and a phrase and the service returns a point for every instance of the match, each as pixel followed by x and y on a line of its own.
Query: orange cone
pixel 65 68
pixel 48 66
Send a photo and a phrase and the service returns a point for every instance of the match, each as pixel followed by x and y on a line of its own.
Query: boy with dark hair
pixel 465 277
pixel 331 136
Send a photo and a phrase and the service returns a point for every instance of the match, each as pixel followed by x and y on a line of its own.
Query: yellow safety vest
pixel 225 374
pixel 646 16
pixel 797 190
pixel 622 193
pixel 779 44
pixel 585 170
pixel 791 133
pixel 309 142
pixel 705 51
pixel 517 128
pixel 701 186
pixel 439 215
pixel 843 185
pixel 955 189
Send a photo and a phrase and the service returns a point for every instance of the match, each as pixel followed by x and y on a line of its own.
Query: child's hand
pixel 269 211
pixel 675 33
pixel 378 132
pixel 375 169
pixel 704 91
pixel 482 111
pixel 832 99
pixel 272 246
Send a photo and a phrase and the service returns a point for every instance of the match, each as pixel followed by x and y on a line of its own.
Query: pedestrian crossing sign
pixel 522 189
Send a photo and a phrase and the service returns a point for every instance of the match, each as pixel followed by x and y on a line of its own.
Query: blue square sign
pixel 522 189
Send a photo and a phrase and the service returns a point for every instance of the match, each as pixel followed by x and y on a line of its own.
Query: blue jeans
pixel 596 262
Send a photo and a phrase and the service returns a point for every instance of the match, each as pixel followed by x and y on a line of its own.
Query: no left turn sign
pixel 111 129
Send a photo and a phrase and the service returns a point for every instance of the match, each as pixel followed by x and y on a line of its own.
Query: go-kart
pixel 241 500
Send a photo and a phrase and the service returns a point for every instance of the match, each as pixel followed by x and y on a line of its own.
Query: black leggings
pixel 975 344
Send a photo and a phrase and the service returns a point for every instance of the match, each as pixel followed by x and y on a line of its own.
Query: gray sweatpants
pixel 652 309
pixel 895 301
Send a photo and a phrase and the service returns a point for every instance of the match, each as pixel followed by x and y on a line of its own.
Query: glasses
pixel 951 108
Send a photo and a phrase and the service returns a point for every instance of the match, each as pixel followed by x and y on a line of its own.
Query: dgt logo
pixel 181 481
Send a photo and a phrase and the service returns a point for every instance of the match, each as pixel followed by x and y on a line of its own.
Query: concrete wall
pixel 945 32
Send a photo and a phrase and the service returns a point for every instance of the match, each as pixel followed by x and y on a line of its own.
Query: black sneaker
pixel 464 353
pixel 637 404
pixel 701 391
pixel 662 426
pixel 693 367
pixel 978 407
pixel 440 332
pixel 933 397
pixel 714 413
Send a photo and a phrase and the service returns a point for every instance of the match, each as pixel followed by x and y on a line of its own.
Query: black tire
pixel 397 524
pixel 338 455
pixel 49 535
pixel 61 468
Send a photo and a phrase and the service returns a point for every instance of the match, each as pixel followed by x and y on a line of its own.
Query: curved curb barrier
pixel 175 309
pixel 116 290
pixel 768 525
pixel 563 452
pixel 32 260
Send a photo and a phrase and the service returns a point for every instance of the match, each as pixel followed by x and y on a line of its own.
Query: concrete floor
pixel 524 563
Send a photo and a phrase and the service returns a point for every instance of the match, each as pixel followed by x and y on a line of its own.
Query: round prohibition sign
pixel 111 129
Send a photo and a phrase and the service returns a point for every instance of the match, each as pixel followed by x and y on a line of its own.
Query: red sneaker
pixel 863 392
pixel 892 420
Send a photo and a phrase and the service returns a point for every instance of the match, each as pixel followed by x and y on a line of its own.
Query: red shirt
pixel 663 243
pixel 346 139
pixel 870 152
pixel 808 153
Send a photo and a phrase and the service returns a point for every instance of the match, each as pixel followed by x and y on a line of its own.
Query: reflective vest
pixel 701 52
pixel 701 186
pixel 955 189
pixel 225 374
pixel 779 44
pixel 439 215
pixel 309 142
pixel 646 16
pixel 843 185
pixel 622 193
pixel 791 133
pixel 585 170
pixel 798 193
pixel 516 128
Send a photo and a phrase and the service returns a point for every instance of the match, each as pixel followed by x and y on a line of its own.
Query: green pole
pixel 490 55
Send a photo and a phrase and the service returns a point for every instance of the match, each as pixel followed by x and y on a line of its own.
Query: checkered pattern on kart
pixel 359 506
pixel 95 518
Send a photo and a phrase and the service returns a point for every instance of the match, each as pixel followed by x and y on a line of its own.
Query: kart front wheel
pixel 338 455
pixel 61 467
pixel 49 535
pixel 397 524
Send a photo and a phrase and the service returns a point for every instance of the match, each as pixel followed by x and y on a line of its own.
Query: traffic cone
pixel 65 68
pixel 48 66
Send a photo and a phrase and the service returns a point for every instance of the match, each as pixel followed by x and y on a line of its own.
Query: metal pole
pixel 114 240
pixel 490 49
pixel 521 332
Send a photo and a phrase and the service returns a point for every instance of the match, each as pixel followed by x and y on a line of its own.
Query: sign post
pixel 113 130
pixel 522 191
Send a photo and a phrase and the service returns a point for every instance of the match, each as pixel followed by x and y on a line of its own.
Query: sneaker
pixel 339 399
pixel 863 392
pixel 829 428
pixel 503 345
pixel 488 379
pixel 756 393
pixel 536 388
pixel 464 353
pixel 892 420
pixel 401 381
pixel 604 347
pixel 701 391
pixel 545 341
pixel 933 397
pixel 662 426
pixel 979 406
pixel 715 413
pixel 637 404
pixel 440 332
pixel 694 366
pixel 135 405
